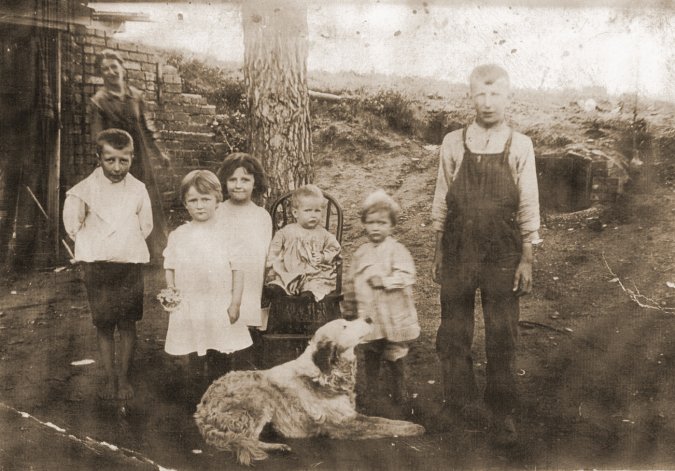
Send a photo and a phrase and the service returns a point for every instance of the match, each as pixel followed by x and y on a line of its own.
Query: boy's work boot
pixel 461 407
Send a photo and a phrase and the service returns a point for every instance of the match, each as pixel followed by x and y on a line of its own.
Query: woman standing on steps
pixel 119 105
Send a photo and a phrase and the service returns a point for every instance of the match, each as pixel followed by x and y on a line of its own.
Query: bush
pixel 230 94
pixel 394 107
pixel 344 110
pixel 232 130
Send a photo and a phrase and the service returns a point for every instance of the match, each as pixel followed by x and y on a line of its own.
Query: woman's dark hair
pixel 108 54
pixel 249 163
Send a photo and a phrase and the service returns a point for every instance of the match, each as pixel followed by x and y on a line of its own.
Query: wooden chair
pixel 292 319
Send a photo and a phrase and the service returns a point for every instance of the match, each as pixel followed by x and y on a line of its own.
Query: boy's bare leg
pixel 106 350
pixel 127 345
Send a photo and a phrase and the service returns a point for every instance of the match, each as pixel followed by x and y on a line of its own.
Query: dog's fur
pixel 310 396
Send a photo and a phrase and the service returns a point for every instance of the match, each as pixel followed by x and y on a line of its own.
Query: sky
pixel 623 50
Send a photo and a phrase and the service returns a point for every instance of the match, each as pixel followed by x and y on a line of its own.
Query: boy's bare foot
pixel 108 389
pixel 125 391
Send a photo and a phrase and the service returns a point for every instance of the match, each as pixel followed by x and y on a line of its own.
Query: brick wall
pixel 180 122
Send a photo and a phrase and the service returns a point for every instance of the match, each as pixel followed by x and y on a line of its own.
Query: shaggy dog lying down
pixel 310 396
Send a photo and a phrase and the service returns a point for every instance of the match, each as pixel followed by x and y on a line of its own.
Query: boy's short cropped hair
pixel 305 191
pixel 379 200
pixel 488 74
pixel 204 181
pixel 108 54
pixel 249 163
pixel 116 138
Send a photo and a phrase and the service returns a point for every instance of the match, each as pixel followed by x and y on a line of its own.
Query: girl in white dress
pixel 248 227
pixel 204 268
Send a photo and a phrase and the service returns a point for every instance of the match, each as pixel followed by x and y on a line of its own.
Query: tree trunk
pixel 275 71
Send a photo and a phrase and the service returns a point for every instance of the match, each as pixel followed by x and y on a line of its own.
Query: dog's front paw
pixel 412 430
pixel 419 430
pixel 278 447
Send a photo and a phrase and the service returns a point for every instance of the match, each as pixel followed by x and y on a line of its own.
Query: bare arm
pixel 522 280
pixel 170 276
pixel 237 293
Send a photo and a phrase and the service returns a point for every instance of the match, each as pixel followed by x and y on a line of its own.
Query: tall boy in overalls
pixel 486 214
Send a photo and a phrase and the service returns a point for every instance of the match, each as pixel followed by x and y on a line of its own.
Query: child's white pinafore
pixel 248 227
pixel 203 274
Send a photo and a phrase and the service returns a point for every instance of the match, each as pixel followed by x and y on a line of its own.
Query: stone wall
pixel 579 176
pixel 180 122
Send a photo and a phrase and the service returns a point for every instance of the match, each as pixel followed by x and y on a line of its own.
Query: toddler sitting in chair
pixel 303 255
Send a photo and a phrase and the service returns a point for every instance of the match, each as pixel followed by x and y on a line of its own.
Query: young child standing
pixel 204 268
pixel 379 284
pixel 302 255
pixel 109 216
pixel 247 226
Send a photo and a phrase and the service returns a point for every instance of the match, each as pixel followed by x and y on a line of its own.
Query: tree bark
pixel 275 72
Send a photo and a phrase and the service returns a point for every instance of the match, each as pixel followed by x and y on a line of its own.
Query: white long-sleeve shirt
pixel 108 221
pixel 491 141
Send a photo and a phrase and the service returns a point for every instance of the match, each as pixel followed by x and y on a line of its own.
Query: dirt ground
pixel 596 370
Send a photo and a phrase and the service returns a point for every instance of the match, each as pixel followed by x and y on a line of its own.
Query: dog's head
pixel 335 341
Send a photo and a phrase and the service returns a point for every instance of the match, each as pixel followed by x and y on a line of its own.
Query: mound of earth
pixel 596 351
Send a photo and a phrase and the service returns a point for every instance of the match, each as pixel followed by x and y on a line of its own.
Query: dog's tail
pixel 247 449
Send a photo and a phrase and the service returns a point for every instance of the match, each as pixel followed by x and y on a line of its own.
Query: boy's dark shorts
pixel 115 292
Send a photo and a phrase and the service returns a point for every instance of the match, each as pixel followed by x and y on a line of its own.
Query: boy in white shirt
pixel 109 216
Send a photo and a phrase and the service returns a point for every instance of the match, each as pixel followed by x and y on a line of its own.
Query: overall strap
pixel 507 148
pixel 466 148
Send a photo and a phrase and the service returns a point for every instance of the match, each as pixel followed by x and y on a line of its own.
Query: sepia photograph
pixel 358 235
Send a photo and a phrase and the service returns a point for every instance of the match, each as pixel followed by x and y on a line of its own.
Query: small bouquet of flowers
pixel 169 298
